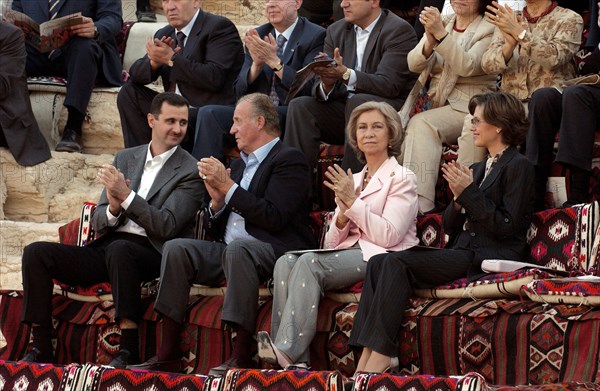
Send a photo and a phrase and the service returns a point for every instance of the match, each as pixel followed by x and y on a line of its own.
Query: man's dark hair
pixel 171 98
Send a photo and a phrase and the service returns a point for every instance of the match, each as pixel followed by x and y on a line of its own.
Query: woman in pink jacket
pixel 376 212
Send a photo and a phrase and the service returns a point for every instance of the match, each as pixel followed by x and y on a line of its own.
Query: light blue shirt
pixel 236 225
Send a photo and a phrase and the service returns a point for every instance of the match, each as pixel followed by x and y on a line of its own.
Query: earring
pixel 498 131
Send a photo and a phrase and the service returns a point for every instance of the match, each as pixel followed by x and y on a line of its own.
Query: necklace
pixel 366 178
pixel 457 29
pixel 534 19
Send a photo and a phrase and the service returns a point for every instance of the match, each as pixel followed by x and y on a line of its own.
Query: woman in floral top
pixel 532 49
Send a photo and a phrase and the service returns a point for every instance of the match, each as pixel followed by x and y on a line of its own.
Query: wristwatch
pixel 278 67
pixel 170 63
pixel 521 36
pixel 96 33
pixel 346 74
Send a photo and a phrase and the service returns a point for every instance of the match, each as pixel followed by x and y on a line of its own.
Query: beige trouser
pixel 422 147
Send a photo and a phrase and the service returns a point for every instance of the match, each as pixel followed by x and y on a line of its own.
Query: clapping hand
pixel 459 177
pixel 117 187
pixel 507 21
pixel 342 183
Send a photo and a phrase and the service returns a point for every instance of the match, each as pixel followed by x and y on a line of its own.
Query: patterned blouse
pixel 544 58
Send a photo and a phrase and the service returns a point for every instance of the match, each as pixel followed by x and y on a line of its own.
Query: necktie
pixel 273 94
pixel 52 8
pixel 52 12
pixel 180 39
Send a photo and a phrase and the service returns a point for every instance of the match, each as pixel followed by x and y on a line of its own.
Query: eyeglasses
pixel 476 121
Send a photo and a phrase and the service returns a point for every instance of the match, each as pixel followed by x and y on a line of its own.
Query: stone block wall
pixel 241 12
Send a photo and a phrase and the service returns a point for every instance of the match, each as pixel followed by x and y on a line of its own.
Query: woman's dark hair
pixel 505 111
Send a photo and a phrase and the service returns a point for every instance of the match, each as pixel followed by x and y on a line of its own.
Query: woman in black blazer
pixel 493 202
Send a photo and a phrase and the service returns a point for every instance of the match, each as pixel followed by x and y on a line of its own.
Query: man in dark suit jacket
pixel 256 215
pixel 263 71
pixel 150 195
pixel 370 47
pixel 201 66
pixel 90 55
pixel 19 130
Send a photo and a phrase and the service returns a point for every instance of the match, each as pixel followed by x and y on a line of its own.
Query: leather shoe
pixel 154 364
pixel 70 142
pixel 145 16
pixel 35 355
pixel 121 360
pixel 222 369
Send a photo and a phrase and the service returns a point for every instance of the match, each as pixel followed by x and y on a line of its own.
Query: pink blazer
pixel 383 217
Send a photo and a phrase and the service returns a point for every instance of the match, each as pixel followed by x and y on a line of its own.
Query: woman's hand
pixel 506 20
pixel 342 183
pixel 458 177
pixel 431 20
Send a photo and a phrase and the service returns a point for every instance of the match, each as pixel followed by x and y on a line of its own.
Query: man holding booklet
pixel 90 55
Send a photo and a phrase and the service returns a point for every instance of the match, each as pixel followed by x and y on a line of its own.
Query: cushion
pixel 487 287
pixel 583 290
pixel 562 238
pixel 266 379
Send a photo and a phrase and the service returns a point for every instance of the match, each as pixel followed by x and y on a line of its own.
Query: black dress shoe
pixel 35 355
pixel 121 360
pixel 154 364
pixel 70 142
pixel 145 16
pixel 222 369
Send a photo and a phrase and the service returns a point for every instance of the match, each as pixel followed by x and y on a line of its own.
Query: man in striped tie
pixel 89 57
pixel 274 52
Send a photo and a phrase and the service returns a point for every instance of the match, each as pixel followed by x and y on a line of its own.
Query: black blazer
pixel 206 68
pixel 275 206
pixel 304 44
pixel 499 211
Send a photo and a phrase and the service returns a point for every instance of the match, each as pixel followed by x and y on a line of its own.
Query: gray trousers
pixel 299 283
pixel 244 263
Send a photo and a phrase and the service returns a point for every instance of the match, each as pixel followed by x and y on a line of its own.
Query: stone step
pixel 53 191
pixel 14 236
pixel 10 273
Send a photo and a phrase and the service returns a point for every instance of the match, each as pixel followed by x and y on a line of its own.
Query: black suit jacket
pixel 304 44
pixel 107 16
pixel 169 209
pixel 275 206
pixel 206 68
pixel 499 211
pixel 17 122
pixel 384 69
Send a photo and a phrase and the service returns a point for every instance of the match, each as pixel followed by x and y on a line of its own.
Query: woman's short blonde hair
pixel 392 120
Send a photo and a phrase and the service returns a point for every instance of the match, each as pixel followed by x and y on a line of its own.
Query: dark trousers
pixel 576 112
pixel 388 285
pixel 310 121
pixel 78 61
pixel 212 132
pixel 134 102
pixel 244 263
pixel 125 260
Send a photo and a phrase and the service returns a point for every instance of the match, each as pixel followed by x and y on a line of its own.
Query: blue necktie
pixel 273 94
pixel 53 8
pixel 52 12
